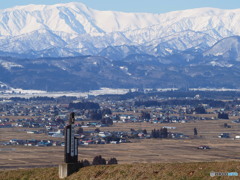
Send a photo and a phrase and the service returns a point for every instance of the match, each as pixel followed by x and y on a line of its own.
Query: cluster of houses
pixel 50 118
pixel 87 137
pixel 33 142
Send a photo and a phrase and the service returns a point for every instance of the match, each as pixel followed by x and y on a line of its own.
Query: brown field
pixel 139 151
pixel 140 171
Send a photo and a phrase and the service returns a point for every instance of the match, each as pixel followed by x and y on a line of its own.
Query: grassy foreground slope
pixel 166 171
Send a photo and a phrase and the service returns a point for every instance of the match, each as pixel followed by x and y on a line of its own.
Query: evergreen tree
pixel 200 110
pixel 98 160
pixel 85 163
pixel 225 125
pixel 223 115
pixel 95 115
pixel 97 130
pixel 160 133
pixel 107 121
pixel 164 132
pixel 106 111
pixel 195 131
pixel 79 130
pixel 145 115
pixel 112 161
pixel 144 131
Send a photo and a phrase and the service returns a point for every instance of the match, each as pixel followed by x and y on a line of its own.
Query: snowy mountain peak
pixel 35 7
pixel 76 28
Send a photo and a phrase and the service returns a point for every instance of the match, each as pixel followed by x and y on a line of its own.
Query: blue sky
pixel 151 6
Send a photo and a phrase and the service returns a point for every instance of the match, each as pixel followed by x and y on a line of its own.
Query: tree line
pixel 211 103
pixel 99 160
pixel 84 105
pixel 159 133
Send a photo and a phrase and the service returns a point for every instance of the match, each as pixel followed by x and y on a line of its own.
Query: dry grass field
pixel 140 171
pixel 139 151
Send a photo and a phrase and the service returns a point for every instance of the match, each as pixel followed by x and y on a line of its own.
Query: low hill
pixel 131 171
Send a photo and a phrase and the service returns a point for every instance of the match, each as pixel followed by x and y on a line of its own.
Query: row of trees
pixel 99 114
pixel 107 121
pixel 223 115
pixel 159 133
pixel 211 103
pixel 99 160
pixel 84 105
pixel 200 110
pixel 163 133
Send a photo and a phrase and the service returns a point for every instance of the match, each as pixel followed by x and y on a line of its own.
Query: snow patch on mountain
pixel 221 64
pixel 9 65
pixel 3 86
pixel 227 48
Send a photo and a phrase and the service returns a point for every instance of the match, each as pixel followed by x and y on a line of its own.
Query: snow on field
pixel 34 93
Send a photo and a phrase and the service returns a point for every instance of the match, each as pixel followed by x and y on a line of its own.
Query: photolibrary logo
pixel 232 174
pixel 213 174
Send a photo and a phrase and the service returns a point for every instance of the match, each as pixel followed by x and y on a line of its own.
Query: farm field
pixel 138 151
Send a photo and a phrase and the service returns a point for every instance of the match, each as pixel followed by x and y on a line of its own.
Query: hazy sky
pixel 152 6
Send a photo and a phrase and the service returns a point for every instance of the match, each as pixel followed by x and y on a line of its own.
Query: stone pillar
pixel 66 169
pixel 71 145
pixel 71 164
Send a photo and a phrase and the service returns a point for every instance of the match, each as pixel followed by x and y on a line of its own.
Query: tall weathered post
pixel 71 142
pixel 70 164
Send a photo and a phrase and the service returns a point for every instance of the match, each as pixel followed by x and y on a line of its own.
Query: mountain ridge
pixel 87 31
pixel 65 49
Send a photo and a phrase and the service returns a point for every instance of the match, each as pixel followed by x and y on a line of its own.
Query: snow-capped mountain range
pixel 67 47
pixel 74 29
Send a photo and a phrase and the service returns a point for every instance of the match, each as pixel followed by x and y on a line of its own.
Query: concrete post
pixel 66 169
pixel 71 164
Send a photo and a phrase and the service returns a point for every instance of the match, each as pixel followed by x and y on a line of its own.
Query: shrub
pixel 98 160
pixel 112 161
